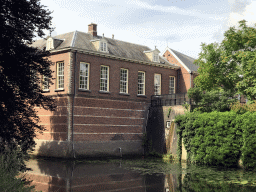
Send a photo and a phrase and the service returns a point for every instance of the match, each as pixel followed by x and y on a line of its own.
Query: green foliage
pixel 243 108
pixel 186 106
pixel 214 100
pixel 169 112
pixel 21 69
pixel 11 163
pixel 249 143
pixel 230 64
pixel 219 138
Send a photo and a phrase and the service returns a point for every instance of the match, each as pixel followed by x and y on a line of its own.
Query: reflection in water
pixel 135 176
pixel 66 176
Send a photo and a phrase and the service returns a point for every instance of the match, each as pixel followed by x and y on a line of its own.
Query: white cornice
pixel 106 55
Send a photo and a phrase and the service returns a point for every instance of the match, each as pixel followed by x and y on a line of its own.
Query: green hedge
pixel 219 138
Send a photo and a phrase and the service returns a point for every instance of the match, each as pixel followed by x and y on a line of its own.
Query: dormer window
pixel 155 58
pixel 49 44
pixel 103 46
pixel 153 55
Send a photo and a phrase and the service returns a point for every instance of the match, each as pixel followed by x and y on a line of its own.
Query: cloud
pixel 245 13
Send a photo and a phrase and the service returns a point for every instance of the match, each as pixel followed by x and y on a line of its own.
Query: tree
pixel 230 64
pixel 21 69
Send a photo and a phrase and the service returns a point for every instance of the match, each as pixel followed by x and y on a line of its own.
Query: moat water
pixel 137 175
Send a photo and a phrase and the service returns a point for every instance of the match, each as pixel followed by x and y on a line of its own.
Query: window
pixel 104 78
pixel 172 85
pixel 157 84
pixel 103 46
pixel 45 83
pixel 60 75
pixel 49 44
pixel 168 124
pixel 155 58
pixel 84 76
pixel 124 81
pixel 141 83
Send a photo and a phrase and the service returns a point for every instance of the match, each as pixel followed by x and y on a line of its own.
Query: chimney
pixel 92 29
pixel 112 36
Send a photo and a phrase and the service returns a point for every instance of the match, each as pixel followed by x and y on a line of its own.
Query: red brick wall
pixel 184 79
pixel 114 80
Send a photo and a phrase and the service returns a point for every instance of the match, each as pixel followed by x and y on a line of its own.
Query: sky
pixel 182 25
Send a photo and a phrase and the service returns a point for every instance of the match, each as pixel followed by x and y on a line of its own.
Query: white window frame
pixel 104 78
pixel 168 124
pixel 155 58
pixel 157 87
pixel 124 80
pixel 60 75
pixel 84 76
pixel 49 44
pixel 171 88
pixel 45 83
pixel 142 83
pixel 103 46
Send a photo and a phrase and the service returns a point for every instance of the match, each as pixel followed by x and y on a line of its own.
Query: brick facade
pixel 91 123
pixel 100 123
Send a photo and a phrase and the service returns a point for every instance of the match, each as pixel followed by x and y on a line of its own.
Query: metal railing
pixel 169 100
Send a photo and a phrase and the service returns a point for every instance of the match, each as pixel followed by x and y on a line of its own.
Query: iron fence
pixel 169 100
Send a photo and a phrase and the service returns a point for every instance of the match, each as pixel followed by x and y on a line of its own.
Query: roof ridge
pixel 182 54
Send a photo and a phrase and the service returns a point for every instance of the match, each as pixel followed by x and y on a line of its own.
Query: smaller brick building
pixel 102 90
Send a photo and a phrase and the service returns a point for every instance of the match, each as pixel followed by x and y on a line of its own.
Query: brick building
pixel 102 89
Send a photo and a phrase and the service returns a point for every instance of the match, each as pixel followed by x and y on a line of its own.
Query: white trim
pixel 107 117
pixel 102 54
pixel 108 108
pixel 176 57
pixel 160 85
pixel 144 83
pixel 108 125
pixel 103 78
pixel 77 133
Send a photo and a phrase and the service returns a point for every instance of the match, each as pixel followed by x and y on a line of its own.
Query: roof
pixel 185 60
pixel 81 40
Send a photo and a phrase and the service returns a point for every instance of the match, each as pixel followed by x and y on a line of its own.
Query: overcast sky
pixel 182 25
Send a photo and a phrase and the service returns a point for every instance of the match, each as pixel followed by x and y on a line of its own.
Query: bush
pixel 243 108
pixel 249 143
pixel 11 163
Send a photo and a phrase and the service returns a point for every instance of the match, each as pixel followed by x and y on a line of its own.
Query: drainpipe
pixel 73 103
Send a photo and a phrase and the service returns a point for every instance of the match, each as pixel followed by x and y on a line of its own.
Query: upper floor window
pixel 49 44
pixel 124 81
pixel 60 75
pixel 84 76
pixel 141 83
pixel 104 78
pixel 157 84
pixel 172 85
pixel 103 46
pixel 45 83
pixel 155 58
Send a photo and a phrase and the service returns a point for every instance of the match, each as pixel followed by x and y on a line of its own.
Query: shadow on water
pixel 135 175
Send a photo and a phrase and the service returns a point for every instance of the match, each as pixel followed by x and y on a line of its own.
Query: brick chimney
pixel 92 29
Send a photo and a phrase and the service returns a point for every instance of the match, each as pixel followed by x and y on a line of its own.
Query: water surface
pixel 135 175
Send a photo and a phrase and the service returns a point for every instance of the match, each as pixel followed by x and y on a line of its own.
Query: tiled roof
pixel 81 40
pixel 188 61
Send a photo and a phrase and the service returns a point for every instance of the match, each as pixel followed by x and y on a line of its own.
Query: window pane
pixel 84 76
pixel 141 83
pixel 157 84
pixel 124 81
pixel 104 78
pixel 172 85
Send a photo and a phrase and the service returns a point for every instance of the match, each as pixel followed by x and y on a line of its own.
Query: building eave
pixel 106 55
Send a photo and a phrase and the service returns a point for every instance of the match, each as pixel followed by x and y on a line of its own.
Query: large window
pixel 60 75
pixel 84 76
pixel 157 84
pixel 141 83
pixel 172 85
pixel 124 81
pixel 104 78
